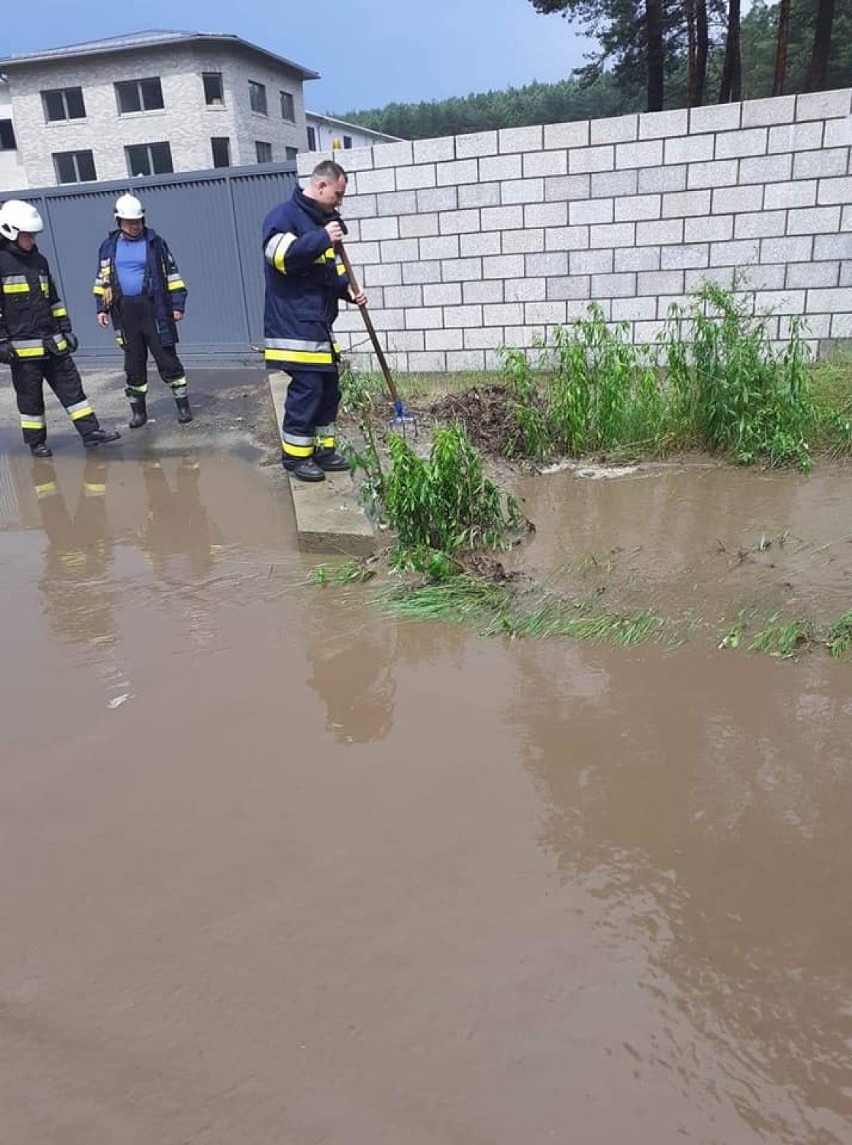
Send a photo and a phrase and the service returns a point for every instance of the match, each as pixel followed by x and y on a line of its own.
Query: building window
pixel 139 95
pixel 263 152
pixel 74 166
pixel 63 103
pixel 312 139
pixel 213 93
pixel 7 136
pixel 149 159
pixel 288 107
pixel 292 152
pixel 257 97
pixel 347 142
pixel 221 151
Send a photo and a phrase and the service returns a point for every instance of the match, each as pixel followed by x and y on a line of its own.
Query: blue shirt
pixel 130 258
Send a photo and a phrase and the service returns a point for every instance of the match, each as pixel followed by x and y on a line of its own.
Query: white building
pixel 12 174
pixel 327 133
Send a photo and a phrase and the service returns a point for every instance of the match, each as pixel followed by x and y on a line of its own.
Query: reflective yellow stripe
pixel 28 421
pixel 46 489
pixel 16 287
pixel 32 352
pixel 59 311
pixel 325 442
pixel 94 490
pixel 76 414
pixel 341 269
pixel 98 289
pixel 297 450
pixel 299 356
pixel 179 285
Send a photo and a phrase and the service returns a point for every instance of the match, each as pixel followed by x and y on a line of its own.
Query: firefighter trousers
pixel 63 377
pixel 310 411
pixel 139 331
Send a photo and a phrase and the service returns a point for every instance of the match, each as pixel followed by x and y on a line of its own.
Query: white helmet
pixel 128 207
pixel 17 216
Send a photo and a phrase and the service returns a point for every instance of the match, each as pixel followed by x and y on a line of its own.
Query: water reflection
pixel 705 803
pixel 178 536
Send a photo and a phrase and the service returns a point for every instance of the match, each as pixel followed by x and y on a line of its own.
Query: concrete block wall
pixel 470 243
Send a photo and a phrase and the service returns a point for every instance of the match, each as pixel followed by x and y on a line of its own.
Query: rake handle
pixel 371 330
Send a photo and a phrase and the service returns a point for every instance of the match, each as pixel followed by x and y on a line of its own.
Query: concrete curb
pixel 328 516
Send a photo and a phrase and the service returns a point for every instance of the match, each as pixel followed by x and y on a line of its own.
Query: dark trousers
pixel 139 331
pixel 310 411
pixel 28 378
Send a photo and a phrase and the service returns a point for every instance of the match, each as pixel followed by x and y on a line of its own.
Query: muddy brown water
pixel 275 869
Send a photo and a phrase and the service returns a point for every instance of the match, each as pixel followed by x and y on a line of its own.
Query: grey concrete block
pixel 505 314
pixel 689 149
pixel 374 182
pixel 815 326
pixel 393 154
pixel 545 215
pixel 736 144
pixel 567 187
pixel 429 362
pixel 546 313
pixel 397 203
pixel 421 272
pixel 612 183
pixel 732 200
pixel 796 249
pixel 566 238
pixel 716 228
pixel 685 257
pixel 492 290
pixel 802 275
pixel 413 178
pixel 795 137
pixel 735 253
pixel 662 179
pixel 714 117
pixel 767 112
pixel 647 154
pixel 588 159
pixel 473 146
pixel 762 224
pixel 459 222
pixel 781 301
pixel 382 319
pixel 759 277
pixel 360 206
pixel 593 261
pixel 590 211
pixel 832 246
pixel 633 309
pixel 462 316
pixel 381 275
pixel 363 253
pixel 836 301
pixel 527 289
pixel 417 226
pixel 659 233
pixel 403 296
pixel 520 139
pixel 813 221
pixel 437 199
pixel 445 339
pixel 552 263
pixel 577 310
pixel 801 193
pixel 723 276
pixel 565 135
pixel 821 164
pixel 574 286
pixel 632 207
pixel 465 360
pixel 841 326
pixel 718 173
pixel 499 167
pixel 612 234
pixel 434 150
pixel 484 338
pixel 442 246
pixel 659 124
pixel 545 163
pixel 424 318
pixel 459 171
pixel 616 129
pixel 402 340
pixel 835 191
pixel 666 302
pixel 522 191
pixel 613 285
pixel 479 195
pixel 647 333
pixel 679 203
pixel 838 132
pixel 442 294
pixel 522 242
pixel 656 282
pixel 462 269
pixel 502 218
pixel 378 228
pixel 766 169
pixel 637 258
pixel 487 242
pixel 823 104
pixel 845 274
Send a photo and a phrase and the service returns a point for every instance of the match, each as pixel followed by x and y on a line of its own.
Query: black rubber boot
pixel 41 450
pixel 303 468
pixel 330 461
pixel 138 413
pixel 184 412
pixel 100 437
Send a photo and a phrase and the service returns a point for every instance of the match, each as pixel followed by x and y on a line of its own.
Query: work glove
pixel 72 340
pixel 7 353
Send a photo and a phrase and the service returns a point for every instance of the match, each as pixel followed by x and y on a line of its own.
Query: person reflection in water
pixel 178 526
pixel 74 584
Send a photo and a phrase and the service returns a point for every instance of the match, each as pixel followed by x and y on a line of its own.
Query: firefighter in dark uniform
pixel 35 333
pixel 140 288
pixel 305 281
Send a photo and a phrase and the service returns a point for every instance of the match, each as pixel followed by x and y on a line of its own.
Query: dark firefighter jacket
pixel 31 311
pixel 162 281
pixel 304 282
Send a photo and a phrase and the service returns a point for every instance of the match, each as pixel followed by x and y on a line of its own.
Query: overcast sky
pixel 369 52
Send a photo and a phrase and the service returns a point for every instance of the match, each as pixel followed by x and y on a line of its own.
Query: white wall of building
pixel 12 174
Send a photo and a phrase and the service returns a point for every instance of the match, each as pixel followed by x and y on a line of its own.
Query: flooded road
pixel 276 869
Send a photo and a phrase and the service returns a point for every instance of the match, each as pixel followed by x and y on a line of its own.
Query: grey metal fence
pixel 212 222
